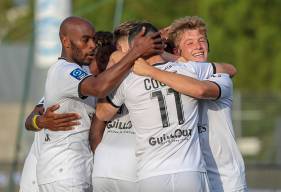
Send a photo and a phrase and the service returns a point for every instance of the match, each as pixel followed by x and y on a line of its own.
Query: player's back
pixel 118 143
pixel 165 123
pixel 224 163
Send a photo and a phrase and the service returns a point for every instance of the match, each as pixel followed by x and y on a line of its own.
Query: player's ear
pixel 66 42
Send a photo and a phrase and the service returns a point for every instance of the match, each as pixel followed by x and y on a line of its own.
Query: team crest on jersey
pixel 78 74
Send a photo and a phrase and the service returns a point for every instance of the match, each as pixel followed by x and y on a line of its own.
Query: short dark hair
pixel 149 28
pixel 104 48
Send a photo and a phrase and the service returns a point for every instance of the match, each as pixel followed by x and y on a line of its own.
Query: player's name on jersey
pixel 119 124
pixel 151 84
pixel 176 136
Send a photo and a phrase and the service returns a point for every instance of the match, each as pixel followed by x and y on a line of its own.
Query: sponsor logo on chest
pixel 176 136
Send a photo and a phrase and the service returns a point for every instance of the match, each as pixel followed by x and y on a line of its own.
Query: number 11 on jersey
pixel 163 107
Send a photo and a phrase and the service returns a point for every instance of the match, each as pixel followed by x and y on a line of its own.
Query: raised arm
pixel 101 85
pixel 181 83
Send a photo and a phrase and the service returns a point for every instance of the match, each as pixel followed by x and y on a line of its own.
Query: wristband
pixel 34 124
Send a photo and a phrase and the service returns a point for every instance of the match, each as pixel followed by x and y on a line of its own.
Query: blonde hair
pixel 179 26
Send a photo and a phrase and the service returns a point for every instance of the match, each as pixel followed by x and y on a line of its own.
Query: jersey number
pixel 163 106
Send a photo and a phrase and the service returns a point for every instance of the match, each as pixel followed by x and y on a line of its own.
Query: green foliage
pixel 15 22
pixel 100 12
pixel 245 33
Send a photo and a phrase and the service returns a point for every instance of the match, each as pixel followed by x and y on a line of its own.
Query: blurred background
pixel 246 33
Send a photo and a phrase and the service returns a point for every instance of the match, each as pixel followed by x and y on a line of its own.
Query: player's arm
pixel 169 57
pixel 31 122
pixel 101 85
pixel 181 83
pixel 97 129
pixel 225 68
pixel 105 111
pixel 38 120
pixel 96 132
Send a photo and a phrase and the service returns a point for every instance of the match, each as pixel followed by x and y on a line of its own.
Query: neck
pixel 67 57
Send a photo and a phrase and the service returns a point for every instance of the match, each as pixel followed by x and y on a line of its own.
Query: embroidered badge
pixel 78 74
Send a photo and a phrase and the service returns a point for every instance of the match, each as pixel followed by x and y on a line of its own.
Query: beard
pixel 78 55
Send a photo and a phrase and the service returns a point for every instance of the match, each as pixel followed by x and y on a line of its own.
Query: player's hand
pixel 148 45
pixel 141 67
pixel 226 68
pixel 58 122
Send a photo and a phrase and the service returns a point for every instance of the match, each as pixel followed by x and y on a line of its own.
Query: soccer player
pixel 225 165
pixel 35 122
pixel 167 143
pixel 116 140
pixel 37 119
pixel 65 160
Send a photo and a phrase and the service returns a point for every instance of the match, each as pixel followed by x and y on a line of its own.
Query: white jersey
pixel 66 154
pixel 28 180
pixel 115 155
pixel 225 166
pixel 165 121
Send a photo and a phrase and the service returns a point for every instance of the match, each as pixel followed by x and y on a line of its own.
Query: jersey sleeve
pixel 224 82
pixel 71 80
pixel 203 70
pixel 184 69
pixel 117 97
pixel 41 102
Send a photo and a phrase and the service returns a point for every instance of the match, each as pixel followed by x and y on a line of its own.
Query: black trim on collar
pixel 109 100
pixel 162 63
pixel 63 58
pixel 214 68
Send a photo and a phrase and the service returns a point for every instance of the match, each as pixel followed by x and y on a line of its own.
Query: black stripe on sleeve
pixel 219 96
pixel 214 68
pixel 79 88
pixel 109 100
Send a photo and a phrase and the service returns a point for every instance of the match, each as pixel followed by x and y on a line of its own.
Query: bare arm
pixel 169 57
pixel 38 110
pixel 50 119
pixel 105 111
pixel 101 85
pixel 96 132
pixel 181 83
pixel 226 68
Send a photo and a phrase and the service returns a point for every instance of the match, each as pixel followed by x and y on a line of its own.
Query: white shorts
pixel 178 182
pixel 28 181
pixel 101 184
pixel 67 185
